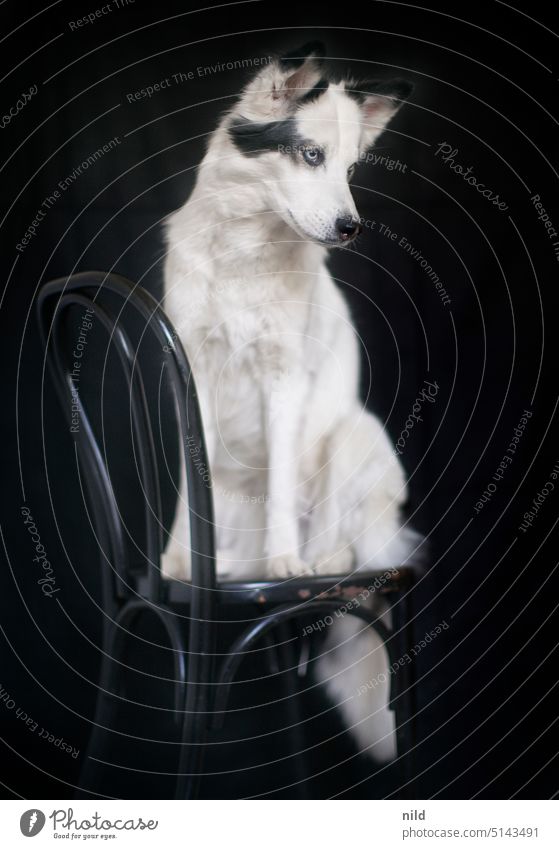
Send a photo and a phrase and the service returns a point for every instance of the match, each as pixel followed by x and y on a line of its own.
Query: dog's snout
pixel 348 228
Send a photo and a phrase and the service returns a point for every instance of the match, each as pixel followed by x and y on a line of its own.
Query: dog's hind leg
pixel 357 498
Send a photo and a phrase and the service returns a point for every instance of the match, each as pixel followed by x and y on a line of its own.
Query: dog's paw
pixel 339 563
pixel 227 564
pixel 175 562
pixel 286 566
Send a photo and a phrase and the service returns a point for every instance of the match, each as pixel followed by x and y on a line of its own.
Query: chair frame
pixel 129 590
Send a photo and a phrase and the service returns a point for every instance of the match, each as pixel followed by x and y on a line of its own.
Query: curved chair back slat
pixel 97 290
pixel 89 289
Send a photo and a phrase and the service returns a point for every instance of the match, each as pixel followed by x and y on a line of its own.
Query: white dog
pixel 304 478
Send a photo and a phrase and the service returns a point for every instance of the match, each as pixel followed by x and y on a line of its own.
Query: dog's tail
pixel 353 667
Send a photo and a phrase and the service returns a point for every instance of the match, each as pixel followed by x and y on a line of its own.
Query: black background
pixel 485 82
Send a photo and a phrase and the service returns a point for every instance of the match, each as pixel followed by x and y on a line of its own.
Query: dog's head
pixel 300 135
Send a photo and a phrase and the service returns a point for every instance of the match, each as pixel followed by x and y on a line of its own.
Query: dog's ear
pixel 379 101
pixel 301 70
pixel 312 51
pixel 275 92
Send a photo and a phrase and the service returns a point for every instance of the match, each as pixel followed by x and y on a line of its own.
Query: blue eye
pixel 313 156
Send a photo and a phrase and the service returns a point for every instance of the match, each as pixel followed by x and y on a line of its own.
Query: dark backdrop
pixel 486 85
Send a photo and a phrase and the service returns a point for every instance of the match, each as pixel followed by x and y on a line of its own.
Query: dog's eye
pixel 351 171
pixel 313 155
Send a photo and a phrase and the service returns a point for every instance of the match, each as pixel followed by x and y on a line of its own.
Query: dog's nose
pixel 348 228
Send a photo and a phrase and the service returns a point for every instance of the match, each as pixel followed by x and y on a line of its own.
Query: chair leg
pixel 292 696
pixel 403 699
pixel 108 700
pixel 197 713
pixel 103 719
pixel 192 745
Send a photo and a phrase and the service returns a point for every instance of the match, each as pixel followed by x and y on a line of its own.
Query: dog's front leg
pixel 176 559
pixel 283 409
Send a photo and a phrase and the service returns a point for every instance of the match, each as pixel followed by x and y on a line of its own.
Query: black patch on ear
pixel 314 93
pixel 252 138
pixel 396 89
pixel 295 58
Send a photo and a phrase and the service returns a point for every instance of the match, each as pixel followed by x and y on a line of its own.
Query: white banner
pixel 270 824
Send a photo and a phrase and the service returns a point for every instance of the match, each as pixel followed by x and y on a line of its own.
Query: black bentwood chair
pixel 192 616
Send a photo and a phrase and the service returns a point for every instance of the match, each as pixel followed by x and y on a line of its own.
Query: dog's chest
pixel 249 338
pixel 255 327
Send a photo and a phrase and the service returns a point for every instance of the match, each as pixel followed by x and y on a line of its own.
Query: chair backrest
pixel 98 293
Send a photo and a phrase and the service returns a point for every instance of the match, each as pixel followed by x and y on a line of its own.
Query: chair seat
pixel 292 590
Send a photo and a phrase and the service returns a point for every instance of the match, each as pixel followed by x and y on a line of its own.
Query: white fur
pixel 354 659
pixel 304 478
